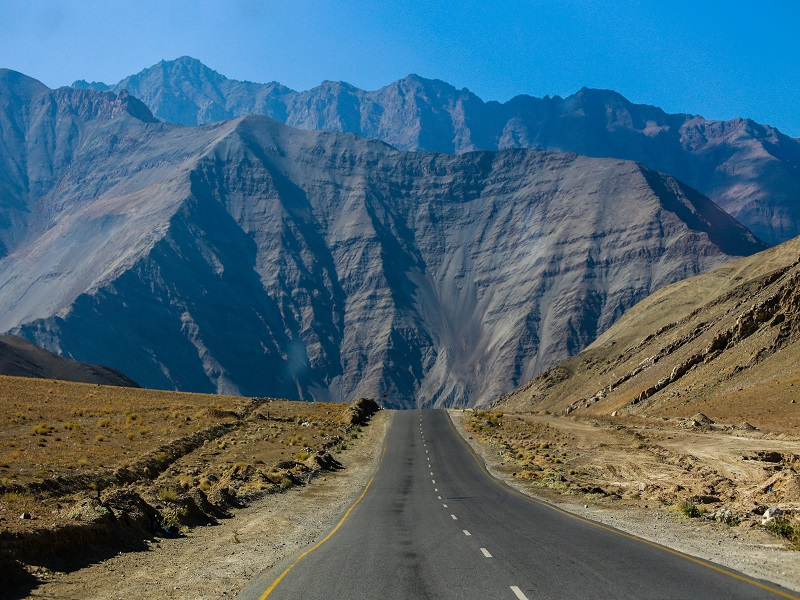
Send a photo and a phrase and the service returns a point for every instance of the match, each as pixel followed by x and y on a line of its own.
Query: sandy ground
pixel 751 551
pixel 220 560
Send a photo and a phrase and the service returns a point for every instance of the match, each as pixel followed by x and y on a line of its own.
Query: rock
pixel 25 515
pixel 702 419
pixel 723 515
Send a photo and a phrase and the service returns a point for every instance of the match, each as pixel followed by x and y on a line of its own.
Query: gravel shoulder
pixel 220 560
pixel 752 552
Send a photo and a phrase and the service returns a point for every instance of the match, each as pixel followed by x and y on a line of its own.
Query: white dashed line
pixel 466 532
pixel 518 593
pixel 486 553
pixel 435 489
pixel 431 472
pixel 445 505
pixel 455 518
pixel 439 497
pixel 433 481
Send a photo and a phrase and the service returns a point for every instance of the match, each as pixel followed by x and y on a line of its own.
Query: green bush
pixel 167 495
pixel 688 509
pixel 785 528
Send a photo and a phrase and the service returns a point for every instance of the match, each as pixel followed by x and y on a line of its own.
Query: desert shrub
pixel 70 426
pixel 167 495
pixel 286 483
pixel 104 422
pixel 301 456
pixel 42 429
pixel 785 528
pixel 688 509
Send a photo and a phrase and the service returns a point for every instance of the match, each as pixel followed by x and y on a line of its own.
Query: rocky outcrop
pixel 749 169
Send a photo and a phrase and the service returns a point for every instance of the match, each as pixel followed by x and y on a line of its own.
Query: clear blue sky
pixel 718 59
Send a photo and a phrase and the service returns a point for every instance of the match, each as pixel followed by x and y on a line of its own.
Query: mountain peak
pixel 19 82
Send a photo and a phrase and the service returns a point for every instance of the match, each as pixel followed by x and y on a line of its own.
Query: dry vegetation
pixel 103 464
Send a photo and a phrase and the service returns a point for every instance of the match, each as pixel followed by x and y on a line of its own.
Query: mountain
pixel 21 358
pixel 253 258
pixel 41 130
pixel 725 344
pixel 751 170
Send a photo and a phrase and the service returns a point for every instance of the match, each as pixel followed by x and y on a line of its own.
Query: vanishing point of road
pixel 433 524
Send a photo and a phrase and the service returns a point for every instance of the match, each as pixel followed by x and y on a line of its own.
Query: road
pixel 433 524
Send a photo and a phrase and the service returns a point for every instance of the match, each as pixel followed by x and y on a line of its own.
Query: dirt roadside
pixel 220 560
pixel 749 550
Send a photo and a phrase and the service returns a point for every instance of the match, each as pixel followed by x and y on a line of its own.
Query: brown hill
pixel 21 358
pixel 724 344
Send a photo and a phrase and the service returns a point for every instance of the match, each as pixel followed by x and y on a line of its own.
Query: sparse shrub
pixel 104 422
pixel 99 438
pixel 82 462
pixel 204 485
pixel 70 426
pixel 688 509
pixel 286 483
pixel 301 456
pixel 167 495
pixel 130 436
pixel 785 528
pixel 42 429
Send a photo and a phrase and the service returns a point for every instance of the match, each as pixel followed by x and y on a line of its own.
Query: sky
pixel 718 59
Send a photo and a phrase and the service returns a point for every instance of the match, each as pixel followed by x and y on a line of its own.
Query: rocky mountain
pixel 249 257
pixel 751 170
pixel 21 358
pixel 725 344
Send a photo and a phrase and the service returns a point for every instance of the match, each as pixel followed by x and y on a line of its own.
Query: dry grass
pixel 65 432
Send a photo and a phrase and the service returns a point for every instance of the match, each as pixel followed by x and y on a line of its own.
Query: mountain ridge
pixel 751 170
pixel 250 257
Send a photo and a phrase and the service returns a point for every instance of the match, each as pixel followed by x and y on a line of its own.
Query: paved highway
pixel 433 524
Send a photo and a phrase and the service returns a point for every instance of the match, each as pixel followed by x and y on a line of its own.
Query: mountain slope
pixel 21 358
pixel 751 170
pixel 724 343
pixel 249 257
pixel 40 132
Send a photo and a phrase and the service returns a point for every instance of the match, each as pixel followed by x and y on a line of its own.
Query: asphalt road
pixel 433 524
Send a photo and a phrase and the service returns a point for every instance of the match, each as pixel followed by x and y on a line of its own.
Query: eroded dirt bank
pixel 218 560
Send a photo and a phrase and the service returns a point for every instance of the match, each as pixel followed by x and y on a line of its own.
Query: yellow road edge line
pixel 274 584
pixel 689 557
